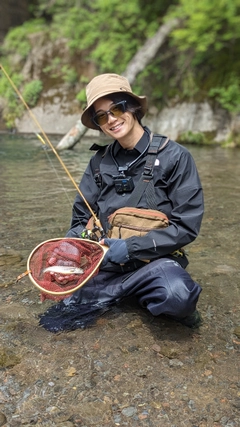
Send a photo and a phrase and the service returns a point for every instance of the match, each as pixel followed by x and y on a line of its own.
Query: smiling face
pixel 126 128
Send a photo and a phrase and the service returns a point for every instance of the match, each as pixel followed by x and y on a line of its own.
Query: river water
pixel 36 199
pixel 37 195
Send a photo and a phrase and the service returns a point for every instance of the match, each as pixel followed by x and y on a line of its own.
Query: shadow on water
pixel 130 369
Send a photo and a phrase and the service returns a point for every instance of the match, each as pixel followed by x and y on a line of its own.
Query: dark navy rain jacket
pixel 178 193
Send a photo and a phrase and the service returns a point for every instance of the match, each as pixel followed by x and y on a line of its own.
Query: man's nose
pixel 110 117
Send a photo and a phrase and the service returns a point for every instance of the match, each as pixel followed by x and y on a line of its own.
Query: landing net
pixel 58 267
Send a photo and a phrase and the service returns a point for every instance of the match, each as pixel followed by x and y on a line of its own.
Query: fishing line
pixel 44 139
pixel 62 186
pixel 59 179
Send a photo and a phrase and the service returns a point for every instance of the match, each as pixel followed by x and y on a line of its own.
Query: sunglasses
pixel 116 110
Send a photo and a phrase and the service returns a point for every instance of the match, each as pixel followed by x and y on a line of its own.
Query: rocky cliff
pixel 58 110
pixel 57 115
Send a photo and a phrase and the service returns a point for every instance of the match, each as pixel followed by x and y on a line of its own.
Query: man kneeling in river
pixel 141 171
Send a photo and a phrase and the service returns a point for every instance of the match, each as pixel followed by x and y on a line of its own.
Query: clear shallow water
pixel 37 195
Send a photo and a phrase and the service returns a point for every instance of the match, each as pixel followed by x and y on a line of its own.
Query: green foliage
pixel 17 41
pixel 32 91
pixel 200 59
pixel 109 33
pixel 189 137
pixel 155 10
pixel 208 44
pixel 53 68
pixel 69 75
pixel 233 140
pixel 81 97
pixel 13 107
pixel 229 96
pixel 45 7
pixel 207 24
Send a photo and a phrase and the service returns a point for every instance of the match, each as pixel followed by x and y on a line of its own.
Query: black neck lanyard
pixel 128 165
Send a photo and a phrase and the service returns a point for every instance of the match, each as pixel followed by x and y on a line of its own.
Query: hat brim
pixel 86 117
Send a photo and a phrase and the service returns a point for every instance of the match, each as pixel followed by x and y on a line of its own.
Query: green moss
pixel 17 38
pixel 197 138
pixel 228 96
pixel 69 75
pixel 81 97
pixel 14 108
pixel 32 91
pixel 192 138
pixel 232 141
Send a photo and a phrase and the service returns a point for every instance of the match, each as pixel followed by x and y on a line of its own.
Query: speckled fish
pixel 63 269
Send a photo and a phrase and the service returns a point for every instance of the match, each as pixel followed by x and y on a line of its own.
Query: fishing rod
pixel 96 220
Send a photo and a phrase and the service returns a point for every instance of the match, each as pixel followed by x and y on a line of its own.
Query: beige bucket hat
pixel 103 85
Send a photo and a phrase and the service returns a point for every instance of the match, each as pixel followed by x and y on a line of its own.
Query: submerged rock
pixel 9 257
pixel 237 331
pixel 3 419
pixel 8 359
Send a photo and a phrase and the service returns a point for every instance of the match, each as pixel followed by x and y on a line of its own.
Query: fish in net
pixel 58 267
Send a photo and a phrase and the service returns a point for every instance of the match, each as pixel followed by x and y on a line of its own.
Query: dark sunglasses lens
pixel 100 119
pixel 116 110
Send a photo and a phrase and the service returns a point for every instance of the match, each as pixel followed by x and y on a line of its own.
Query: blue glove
pixel 117 251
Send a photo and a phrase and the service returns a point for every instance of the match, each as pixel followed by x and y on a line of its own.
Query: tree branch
pixel 148 51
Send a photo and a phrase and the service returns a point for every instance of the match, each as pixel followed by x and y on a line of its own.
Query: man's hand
pixel 117 251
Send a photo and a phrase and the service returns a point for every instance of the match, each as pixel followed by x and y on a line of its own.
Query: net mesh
pixel 60 266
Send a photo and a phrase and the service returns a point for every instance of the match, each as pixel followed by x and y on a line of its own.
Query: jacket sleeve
pixel 185 194
pixel 80 211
